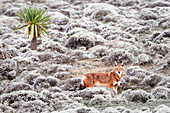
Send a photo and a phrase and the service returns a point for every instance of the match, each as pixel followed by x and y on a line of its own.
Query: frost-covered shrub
pixel 110 33
pixel 85 109
pixel 158 4
pixel 12 73
pixel 144 29
pixel 8 23
pixel 49 69
pixel 148 23
pixel 98 100
pixel 17 86
pixel 28 77
pixel 45 56
pixel 75 26
pixel 161 109
pixel 75 30
pixel 80 39
pixel 11 11
pixel 151 81
pixel 13 51
pixel 136 95
pixel 62 58
pixel 53 46
pixel 19 44
pixel 56 100
pixel 135 80
pixel 8 69
pixel 123 2
pixel 33 106
pixel 81 54
pixel 1 89
pixel 4 84
pixel 10 64
pixel 155 48
pixel 137 72
pixel 5 30
pixel 14 98
pixel 161 49
pixel 123 109
pixel 99 50
pixel 41 82
pixel 110 110
pixel 59 18
pixel 81 109
pixel 57 37
pixel 5 109
pixel 161 92
pixel 147 14
pixel 45 82
pixel 25 63
pixel 164 82
pixel 102 12
pixel 161 37
pixel 78 54
pixel 144 109
pixel 62 75
pixel 130 47
pixel 164 23
pixel 161 64
pixel 63 67
pixel 55 89
pixel 7 74
pixel 119 56
pixel 71 84
pixel 74 105
pixel 55 68
pixel 125 35
pixel 30 54
pixel 153 36
pixel 90 92
pixel 130 69
pixel 142 59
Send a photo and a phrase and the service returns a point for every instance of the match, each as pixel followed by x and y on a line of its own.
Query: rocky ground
pixel 87 36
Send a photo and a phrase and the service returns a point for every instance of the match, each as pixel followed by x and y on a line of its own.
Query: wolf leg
pixel 115 88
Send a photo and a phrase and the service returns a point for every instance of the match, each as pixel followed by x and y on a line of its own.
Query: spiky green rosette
pixel 35 21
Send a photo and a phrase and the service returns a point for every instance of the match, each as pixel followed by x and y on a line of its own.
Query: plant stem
pixel 34 43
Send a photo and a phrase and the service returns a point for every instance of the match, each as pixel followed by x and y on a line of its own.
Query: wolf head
pixel 119 70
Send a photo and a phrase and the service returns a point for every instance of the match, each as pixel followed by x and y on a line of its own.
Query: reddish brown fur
pixel 109 79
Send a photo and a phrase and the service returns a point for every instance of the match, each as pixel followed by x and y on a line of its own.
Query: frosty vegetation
pixel 87 36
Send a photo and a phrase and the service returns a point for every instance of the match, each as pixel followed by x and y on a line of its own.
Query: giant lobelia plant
pixel 35 21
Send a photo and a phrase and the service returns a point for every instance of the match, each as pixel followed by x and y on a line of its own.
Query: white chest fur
pixel 115 83
pixel 100 84
pixel 120 74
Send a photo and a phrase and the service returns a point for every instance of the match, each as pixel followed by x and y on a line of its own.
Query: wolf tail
pixel 82 85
